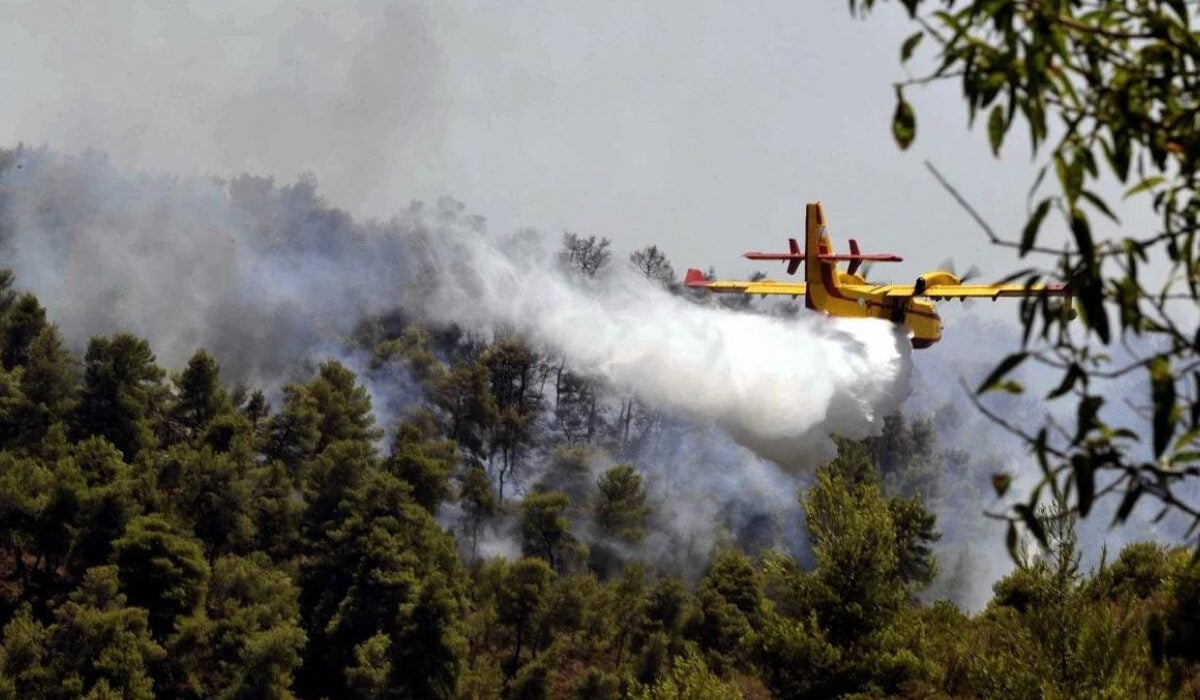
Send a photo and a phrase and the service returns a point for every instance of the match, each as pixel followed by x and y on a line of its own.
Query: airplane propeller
pixel 948 265
pixel 972 272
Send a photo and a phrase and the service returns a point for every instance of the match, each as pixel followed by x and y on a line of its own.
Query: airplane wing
pixel 966 291
pixel 695 279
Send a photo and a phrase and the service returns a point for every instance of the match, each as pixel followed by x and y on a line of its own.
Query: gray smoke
pixel 352 90
pixel 269 278
pixel 971 554
pixel 263 276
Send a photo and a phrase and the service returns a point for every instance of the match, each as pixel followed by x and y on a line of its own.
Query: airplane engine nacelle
pixel 937 277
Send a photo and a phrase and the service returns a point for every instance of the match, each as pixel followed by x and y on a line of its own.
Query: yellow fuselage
pixel 827 290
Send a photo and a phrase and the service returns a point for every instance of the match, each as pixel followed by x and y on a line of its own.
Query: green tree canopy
pixel 97 646
pixel 343 405
pixel 161 570
pixel 23 322
pixel 546 532
pixel 246 639
pixel 123 396
pixel 50 384
pixel 621 504
pixel 422 461
pixel 199 396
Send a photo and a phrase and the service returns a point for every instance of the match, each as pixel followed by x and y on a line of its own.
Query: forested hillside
pixel 168 534
pixel 253 445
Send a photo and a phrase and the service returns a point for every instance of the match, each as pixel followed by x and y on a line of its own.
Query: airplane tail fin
pixel 814 230
pixel 797 256
pixel 694 278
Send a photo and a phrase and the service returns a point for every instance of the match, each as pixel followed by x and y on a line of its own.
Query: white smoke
pixel 782 387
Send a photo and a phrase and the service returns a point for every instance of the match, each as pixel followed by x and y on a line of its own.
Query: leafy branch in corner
pixel 1108 91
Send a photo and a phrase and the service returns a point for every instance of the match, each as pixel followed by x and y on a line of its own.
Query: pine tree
pixel 621 504
pixel 50 384
pixel 546 532
pixel 199 396
pixel 382 566
pixel 98 645
pixel 854 542
pixel 293 434
pixel 24 322
pixel 343 405
pixel 464 395
pixel 123 396
pixel 477 500
pixel 161 570
pixel 422 461
pixel 246 639
pixel 213 496
pixel 652 263
pixel 520 599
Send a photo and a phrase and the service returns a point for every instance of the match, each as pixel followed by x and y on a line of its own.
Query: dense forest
pixel 505 525
pixel 169 534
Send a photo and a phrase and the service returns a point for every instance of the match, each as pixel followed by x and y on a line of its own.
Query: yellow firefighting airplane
pixel 838 293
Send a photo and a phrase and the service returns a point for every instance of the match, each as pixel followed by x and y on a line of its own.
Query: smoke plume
pixel 262 276
pixel 269 277
pixel 780 386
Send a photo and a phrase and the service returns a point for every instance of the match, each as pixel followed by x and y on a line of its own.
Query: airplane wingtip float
pixel 845 293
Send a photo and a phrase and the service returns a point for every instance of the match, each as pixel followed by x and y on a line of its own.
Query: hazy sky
pixel 701 126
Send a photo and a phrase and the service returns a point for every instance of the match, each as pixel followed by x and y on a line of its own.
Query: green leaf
pixel 1085 483
pixel 1180 9
pixel 909 45
pixel 1007 365
pixel 1086 416
pixel 1090 294
pixel 1149 183
pixel 1032 522
pixel 1128 501
pixel 1037 182
pixel 1099 204
pixel 1195 406
pixel 996 128
pixel 1119 155
pixel 1082 231
pixel 1070 176
pixel 1029 234
pixel 1162 393
pixel 904 122
pixel 1073 375
pixel 1128 297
